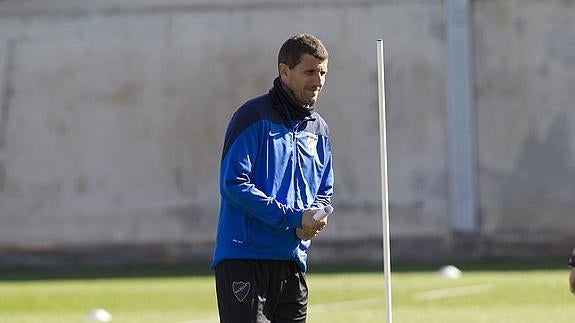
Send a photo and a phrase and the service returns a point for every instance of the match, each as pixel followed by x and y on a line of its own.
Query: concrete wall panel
pixel 112 115
pixel 525 82
pixel 116 121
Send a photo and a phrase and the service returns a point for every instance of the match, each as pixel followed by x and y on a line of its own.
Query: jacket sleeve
pixel 238 159
pixel 325 190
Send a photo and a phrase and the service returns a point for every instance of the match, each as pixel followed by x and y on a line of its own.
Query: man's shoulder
pixel 244 117
pixel 318 117
pixel 257 108
pixel 257 104
pixel 320 126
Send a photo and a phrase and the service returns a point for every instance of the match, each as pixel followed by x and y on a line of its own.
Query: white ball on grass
pixel 450 272
pixel 98 315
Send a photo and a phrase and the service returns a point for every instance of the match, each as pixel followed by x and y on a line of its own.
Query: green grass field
pixel 181 295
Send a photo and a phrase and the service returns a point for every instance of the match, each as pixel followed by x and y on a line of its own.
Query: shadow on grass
pixel 70 272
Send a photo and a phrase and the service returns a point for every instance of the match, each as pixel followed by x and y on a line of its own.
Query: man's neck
pixel 289 92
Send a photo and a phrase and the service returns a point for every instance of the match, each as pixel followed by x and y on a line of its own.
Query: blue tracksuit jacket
pixel 272 169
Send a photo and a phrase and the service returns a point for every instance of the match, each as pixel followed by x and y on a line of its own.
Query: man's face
pixel 306 79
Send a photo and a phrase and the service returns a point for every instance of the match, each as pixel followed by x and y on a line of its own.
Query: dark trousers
pixel 261 291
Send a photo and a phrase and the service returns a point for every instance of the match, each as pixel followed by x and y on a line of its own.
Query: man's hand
pixel 310 227
pixel 305 234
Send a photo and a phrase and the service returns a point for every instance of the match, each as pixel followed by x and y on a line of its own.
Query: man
pixel 276 173
pixel 572 277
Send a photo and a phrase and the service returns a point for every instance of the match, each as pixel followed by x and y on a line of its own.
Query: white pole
pixel 384 179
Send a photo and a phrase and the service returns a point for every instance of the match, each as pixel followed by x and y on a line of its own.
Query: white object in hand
pixel 99 315
pixel 327 210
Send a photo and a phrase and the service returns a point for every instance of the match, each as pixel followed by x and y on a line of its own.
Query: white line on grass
pixel 319 308
pixel 453 292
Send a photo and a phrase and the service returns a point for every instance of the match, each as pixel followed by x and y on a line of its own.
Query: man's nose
pixel 318 80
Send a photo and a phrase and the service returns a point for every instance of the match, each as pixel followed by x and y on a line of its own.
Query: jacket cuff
pixel 293 219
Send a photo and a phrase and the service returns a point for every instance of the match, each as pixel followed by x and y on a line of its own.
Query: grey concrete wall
pixel 525 64
pixel 113 113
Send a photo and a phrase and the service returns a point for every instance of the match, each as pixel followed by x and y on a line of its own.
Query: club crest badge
pixel 240 290
pixel 312 144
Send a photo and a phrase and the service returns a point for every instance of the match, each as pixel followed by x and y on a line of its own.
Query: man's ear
pixel 283 70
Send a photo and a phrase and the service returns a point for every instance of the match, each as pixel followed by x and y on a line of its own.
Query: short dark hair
pixel 298 45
